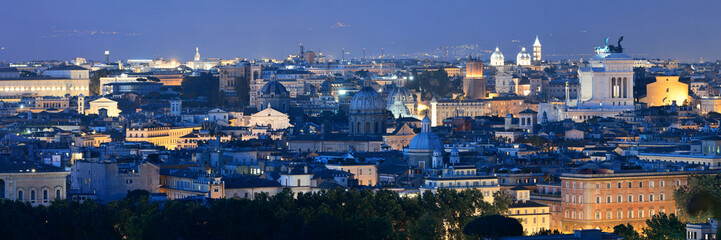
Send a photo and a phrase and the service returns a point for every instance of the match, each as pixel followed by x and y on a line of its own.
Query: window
pixel 566 214
pixel 573 198
pixel 608 185
pixel 629 185
pixel 21 195
pixel 619 199
pixel 630 214
pixel 640 213
pixel 651 184
pixel 640 184
pixel 32 196
pixel 650 198
pixel 630 198
pixel 46 196
pixel 651 212
pixel 678 183
pixel 598 199
pixel 619 185
pixel 619 214
pixel 608 199
pixel 608 215
pixel 598 215
pixel 662 197
pixel 598 186
pixel 640 198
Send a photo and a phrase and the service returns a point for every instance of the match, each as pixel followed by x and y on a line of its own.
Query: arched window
pixel 46 195
pixel 57 194
pixel 21 195
pixel 368 128
pixel 32 196
pixel 358 128
pixel 625 88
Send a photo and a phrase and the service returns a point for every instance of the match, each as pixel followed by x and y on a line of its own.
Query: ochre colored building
pixel 603 201
pixel 665 91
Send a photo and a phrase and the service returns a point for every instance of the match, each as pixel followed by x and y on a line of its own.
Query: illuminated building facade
pixel 474 84
pixel 499 106
pixel 603 201
pixel 33 183
pixel 667 90
pixel 159 136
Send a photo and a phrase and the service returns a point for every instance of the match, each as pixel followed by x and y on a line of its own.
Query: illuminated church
pixel 606 87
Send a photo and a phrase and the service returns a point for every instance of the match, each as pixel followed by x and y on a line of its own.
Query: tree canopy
pixel 493 226
pixel 435 83
pixel 328 214
pixel 700 198
pixel 205 85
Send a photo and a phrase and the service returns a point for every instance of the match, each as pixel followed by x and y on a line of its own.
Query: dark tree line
pixel 333 214
pixel 435 83
pixel 205 85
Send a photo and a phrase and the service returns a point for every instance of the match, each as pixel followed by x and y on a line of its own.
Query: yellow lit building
pixel 31 182
pixel 366 174
pixel 533 216
pixel 92 140
pixel 160 136
pixel 665 91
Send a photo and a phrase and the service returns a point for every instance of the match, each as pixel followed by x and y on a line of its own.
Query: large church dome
pixel 367 100
pixel 497 58
pixel 274 88
pixel 523 58
pixel 426 140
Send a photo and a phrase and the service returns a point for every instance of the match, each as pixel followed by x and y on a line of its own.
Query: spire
pixel 497 50
pixel 537 43
pixel 197 54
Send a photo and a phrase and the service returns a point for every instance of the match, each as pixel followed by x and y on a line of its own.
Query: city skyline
pixel 228 29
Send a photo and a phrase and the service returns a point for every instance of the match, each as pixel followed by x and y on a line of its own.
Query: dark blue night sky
pixel 685 30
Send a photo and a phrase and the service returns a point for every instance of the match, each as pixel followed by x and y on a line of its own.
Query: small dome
pixel 274 88
pixel 523 58
pixel 497 58
pixel 426 141
pixel 367 100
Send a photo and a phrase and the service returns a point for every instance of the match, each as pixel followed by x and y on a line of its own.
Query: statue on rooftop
pixel 610 48
pixel 616 49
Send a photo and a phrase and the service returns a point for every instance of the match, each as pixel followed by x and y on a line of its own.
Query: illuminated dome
pixel 497 58
pixel 400 94
pixel 523 58
pixel 367 100
pixel 426 140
